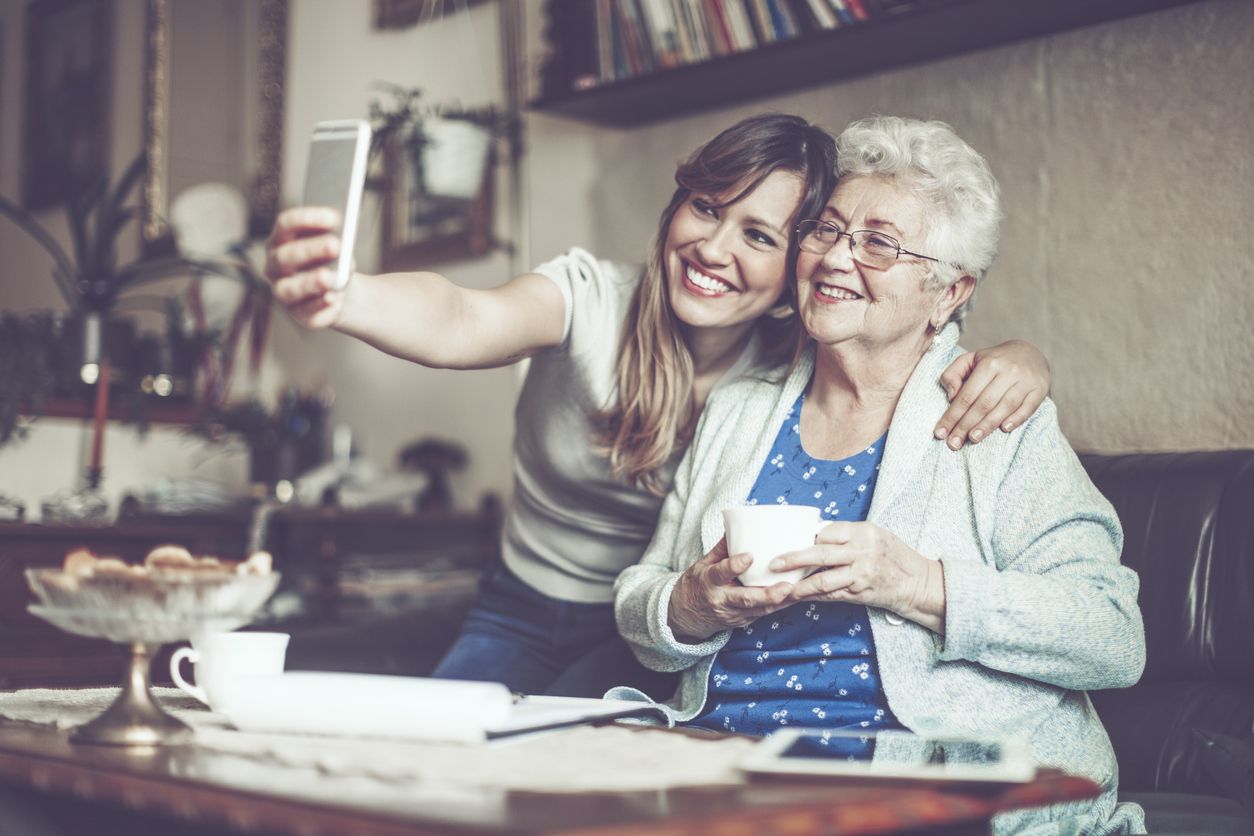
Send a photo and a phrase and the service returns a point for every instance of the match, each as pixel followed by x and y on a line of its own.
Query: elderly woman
pixel 973 595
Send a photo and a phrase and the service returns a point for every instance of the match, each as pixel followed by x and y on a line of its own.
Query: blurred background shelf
pixel 894 34
pixel 154 410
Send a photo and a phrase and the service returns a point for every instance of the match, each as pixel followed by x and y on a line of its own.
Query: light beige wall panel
pixel 1148 230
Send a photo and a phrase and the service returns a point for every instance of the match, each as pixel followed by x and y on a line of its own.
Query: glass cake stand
pixel 144 612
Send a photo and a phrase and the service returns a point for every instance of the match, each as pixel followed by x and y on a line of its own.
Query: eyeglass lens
pixel 871 248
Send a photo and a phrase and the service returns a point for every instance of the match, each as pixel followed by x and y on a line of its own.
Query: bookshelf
pixel 895 33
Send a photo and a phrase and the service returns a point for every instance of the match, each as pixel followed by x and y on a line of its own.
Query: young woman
pixel 623 359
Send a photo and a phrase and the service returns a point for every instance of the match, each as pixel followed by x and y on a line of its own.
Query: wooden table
pixel 229 793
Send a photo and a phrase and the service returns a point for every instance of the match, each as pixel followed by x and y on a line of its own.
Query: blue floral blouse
pixel 811 664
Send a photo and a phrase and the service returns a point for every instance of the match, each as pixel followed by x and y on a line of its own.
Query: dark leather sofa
pixel 1183 734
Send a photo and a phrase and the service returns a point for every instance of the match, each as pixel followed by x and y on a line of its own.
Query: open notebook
pixel 401 707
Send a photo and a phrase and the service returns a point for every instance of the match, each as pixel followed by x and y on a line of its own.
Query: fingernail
pixel 941 432
pixel 776 565
pixel 976 435
pixel 955 442
pixel 1008 426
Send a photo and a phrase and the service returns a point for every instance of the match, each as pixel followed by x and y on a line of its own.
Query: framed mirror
pixel 214 80
pixel 426 221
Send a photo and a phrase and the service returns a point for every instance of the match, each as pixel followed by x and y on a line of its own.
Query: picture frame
pixel 68 99
pixel 418 230
pixel 402 14
pixel 173 107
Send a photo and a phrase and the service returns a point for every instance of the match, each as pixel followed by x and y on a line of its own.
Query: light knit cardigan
pixel 1038 607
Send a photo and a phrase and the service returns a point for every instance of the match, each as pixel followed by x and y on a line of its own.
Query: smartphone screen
pixel 335 177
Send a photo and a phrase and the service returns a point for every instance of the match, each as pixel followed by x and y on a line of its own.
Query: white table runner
pixel 584 759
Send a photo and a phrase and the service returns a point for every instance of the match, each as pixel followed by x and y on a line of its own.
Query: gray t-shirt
pixel 572 526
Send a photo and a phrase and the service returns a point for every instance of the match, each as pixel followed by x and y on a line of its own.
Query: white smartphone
pixel 891 756
pixel 336 176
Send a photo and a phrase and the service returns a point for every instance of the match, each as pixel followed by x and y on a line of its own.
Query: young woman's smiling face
pixel 727 265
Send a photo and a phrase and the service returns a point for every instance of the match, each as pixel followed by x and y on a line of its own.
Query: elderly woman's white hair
pixel 932 160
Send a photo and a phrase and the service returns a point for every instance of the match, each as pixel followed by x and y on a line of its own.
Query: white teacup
pixel 223 658
pixel 767 531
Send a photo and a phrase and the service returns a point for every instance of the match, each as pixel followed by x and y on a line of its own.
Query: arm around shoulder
pixel 1057 606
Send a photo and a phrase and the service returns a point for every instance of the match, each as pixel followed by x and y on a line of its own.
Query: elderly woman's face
pixel 842 299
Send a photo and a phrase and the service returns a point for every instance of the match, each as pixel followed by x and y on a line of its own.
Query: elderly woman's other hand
pixel 862 563
pixel 708 599
pixel 999 386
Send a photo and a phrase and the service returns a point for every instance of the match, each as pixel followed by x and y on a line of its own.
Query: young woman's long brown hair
pixel 654 415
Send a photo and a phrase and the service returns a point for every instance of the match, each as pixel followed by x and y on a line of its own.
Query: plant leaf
pixel 107 224
pixel 144 272
pixel 77 212
pixel 64 267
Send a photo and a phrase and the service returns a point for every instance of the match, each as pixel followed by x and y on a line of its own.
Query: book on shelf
pixel 741 23
pixel 760 20
pixel 858 9
pixel 721 38
pixel 605 41
pixel 841 10
pixel 639 53
pixel 695 27
pixel 663 31
pixel 820 13
pixel 636 37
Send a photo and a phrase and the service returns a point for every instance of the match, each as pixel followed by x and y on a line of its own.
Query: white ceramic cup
pixel 767 531
pixel 223 658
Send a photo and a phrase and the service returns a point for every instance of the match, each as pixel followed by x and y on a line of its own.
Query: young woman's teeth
pixel 704 282
pixel 837 292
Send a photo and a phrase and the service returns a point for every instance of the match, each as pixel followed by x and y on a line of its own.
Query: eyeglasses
pixel 874 249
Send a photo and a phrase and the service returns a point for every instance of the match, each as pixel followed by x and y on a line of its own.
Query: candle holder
pixel 85 505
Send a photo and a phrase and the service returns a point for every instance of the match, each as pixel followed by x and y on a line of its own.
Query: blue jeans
pixel 541 645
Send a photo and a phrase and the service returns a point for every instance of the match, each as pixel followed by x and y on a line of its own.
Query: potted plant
pixel 33 358
pixel 90 279
pixel 447 145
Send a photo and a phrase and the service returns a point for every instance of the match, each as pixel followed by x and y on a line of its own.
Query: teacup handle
pixel 190 654
pixel 821 525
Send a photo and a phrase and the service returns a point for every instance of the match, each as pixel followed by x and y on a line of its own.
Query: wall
pixel 1123 153
pixel 1116 147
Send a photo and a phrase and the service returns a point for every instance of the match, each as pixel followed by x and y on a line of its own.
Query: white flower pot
pixel 454 157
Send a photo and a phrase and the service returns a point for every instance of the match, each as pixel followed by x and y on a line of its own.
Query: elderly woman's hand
pixel 999 386
pixel 862 563
pixel 708 598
